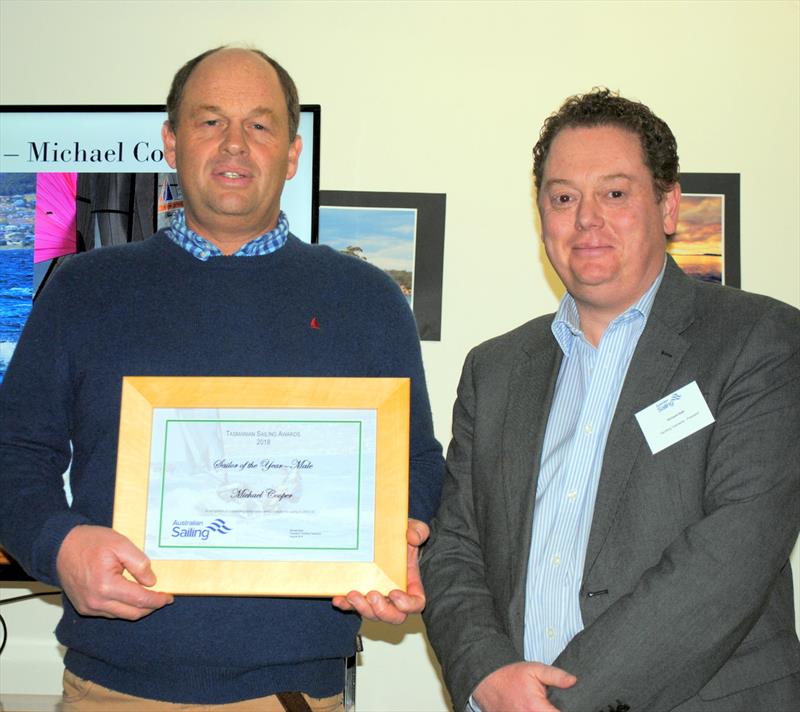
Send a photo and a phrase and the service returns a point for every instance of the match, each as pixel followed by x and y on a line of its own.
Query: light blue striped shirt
pixel 587 390
pixel 197 245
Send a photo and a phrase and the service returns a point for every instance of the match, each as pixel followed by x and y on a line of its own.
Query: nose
pixel 234 141
pixel 588 214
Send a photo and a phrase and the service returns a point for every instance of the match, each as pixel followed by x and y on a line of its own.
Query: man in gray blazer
pixel 623 488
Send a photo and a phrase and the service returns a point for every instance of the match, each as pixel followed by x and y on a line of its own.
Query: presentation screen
pixel 76 178
pixel 127 140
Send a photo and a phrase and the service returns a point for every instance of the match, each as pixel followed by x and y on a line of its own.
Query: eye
pixel 562 199
pixel 259 127
pixel 616 194
pixel 210 122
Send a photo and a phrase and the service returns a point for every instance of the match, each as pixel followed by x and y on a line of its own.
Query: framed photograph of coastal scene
pixel 706 243
pixel 402 233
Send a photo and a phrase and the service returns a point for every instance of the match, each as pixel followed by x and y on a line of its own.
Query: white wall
pixel 449 97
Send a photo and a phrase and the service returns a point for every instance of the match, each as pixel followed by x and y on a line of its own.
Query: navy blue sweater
pixel 150 308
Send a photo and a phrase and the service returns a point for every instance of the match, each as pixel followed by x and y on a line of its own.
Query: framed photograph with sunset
pixel 706 243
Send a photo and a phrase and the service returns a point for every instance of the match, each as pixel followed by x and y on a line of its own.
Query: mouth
pixel 590 251
pixel 591 245
pixel 232 176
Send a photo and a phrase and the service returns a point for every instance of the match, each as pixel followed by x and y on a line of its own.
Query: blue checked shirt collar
pixel 566 323
pixel 197 246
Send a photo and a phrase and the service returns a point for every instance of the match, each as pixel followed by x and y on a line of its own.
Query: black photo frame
pixel 726 187
pixel 428 246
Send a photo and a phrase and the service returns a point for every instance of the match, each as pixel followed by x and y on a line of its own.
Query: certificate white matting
pixel 262 484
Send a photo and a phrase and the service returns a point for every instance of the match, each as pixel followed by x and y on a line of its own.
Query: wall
pixel 449 97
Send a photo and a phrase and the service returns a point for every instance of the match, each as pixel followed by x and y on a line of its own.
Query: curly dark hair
pixel 602 107
pixel 182 76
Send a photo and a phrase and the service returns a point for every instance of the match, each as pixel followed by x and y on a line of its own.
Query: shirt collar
pixel 196 245
pixel 566 323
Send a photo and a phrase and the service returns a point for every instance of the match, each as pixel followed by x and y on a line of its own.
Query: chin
pixel 233 207
pixel 594 277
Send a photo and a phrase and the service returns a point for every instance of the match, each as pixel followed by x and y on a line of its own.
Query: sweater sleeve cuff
pixel 48 544
pixel 425 489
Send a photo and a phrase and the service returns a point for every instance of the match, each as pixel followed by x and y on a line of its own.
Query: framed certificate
pixel 266 486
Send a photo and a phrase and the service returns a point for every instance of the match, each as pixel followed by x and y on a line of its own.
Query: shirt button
pixel 556 560
pixel 588 429
pixel 551 633
pixel 571 496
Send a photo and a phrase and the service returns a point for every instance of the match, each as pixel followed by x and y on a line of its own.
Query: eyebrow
pixel 617 176
pixel 556 181
pixel 565 181
pixel 206 107
pixel 258 111
pixel 261 111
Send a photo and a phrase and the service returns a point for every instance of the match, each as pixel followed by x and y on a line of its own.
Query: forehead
pixel 595 150
pixel 234 78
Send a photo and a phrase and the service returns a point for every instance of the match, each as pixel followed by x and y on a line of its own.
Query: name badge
pixel 674 417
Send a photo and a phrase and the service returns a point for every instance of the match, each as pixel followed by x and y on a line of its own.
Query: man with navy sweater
pixel 227 290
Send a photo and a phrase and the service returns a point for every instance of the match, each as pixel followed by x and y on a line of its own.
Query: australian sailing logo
pixel 668 402
pixel 191 529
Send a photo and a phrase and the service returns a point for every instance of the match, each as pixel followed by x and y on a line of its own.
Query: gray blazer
pixel 689 548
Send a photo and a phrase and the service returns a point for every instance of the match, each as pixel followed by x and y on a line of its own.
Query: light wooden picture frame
pixel 145 399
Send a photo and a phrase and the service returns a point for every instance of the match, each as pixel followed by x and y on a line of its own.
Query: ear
pixel 670 206
pixel 168 137
pixel 295 148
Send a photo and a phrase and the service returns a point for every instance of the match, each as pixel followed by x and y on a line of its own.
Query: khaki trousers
pixel 84 696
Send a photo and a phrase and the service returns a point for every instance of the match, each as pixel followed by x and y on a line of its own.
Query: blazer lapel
pixel 531 386
pixel 655 360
